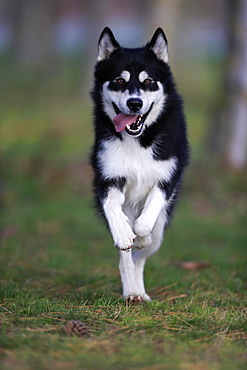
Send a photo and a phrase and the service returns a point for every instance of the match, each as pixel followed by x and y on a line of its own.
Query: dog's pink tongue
pixel 122 120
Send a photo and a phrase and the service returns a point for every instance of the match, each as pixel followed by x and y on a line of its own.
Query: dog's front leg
pixel 118 222
pixel 123 237
pixel 144 224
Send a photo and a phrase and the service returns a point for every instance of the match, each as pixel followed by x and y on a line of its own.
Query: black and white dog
pixel 140 150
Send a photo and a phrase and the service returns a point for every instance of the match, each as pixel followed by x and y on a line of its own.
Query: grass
pixel 58 263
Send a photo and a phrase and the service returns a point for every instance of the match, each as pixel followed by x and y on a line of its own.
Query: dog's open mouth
pixel 132 124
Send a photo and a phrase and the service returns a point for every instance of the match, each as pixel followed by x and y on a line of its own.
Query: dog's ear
pixel 107 44
pixel 158 45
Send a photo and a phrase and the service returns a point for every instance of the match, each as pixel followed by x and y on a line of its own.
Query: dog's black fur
pixel 166 135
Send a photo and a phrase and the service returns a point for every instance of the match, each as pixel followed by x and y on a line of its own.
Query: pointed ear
pixel 107 44
pixel 158 45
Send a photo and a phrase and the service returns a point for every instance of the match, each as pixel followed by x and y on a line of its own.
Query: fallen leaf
pixel 194 265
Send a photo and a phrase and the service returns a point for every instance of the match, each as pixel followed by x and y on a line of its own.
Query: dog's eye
pixel 120 81
pixel 147 81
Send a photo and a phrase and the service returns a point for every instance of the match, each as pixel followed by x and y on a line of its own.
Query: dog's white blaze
pixel 125 75
pixel 143 76
pixel 128 159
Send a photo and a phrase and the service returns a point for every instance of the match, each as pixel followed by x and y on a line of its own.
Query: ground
pixel 59 263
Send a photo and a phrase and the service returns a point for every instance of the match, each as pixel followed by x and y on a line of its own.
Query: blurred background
pixel 48 50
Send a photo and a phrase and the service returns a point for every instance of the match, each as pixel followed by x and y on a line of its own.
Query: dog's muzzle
pixel 132 124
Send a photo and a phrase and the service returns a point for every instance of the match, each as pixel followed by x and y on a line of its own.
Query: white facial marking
pixel 117 97
pixel 143 76
pixel 157 98
pixel 125 75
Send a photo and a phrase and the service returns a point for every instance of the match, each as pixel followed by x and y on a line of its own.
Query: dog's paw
pixel 142 242
pixel 142 227
pixel 137 299
pixel 133 300
pixel 125 239
pixel 146 297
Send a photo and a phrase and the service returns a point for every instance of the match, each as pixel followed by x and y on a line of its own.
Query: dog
pixel 140 150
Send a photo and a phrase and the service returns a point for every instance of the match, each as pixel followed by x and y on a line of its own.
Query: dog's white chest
pixel 128 159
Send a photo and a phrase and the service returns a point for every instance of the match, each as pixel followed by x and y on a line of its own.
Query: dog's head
pixel 132 81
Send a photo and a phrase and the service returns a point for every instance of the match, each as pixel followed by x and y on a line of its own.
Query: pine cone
pixel 76 327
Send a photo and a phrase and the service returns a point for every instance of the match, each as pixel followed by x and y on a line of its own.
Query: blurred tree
pixel 166 14
pixel 228 133
pixel 96 13
pixel 237 153
pixel 32 27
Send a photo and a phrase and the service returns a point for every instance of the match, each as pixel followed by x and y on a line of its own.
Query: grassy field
pixel 58 263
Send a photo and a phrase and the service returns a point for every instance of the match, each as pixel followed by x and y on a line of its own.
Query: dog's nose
pixel 134 104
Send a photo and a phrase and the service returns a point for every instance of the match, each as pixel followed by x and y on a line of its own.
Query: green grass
pixel 58 262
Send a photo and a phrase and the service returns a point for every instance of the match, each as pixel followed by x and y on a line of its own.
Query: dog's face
pixel 132 81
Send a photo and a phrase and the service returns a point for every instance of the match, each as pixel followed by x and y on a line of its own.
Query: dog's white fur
pixel 136 215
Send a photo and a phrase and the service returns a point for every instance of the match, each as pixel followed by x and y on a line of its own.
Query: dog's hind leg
pixel 127 272
pixel 140 255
